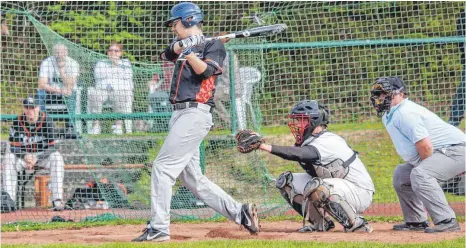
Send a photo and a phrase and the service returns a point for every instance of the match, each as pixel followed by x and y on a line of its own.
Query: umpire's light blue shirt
pixel 407 123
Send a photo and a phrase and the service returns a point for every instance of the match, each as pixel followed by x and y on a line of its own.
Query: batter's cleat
pixel 411 226
pixel 249 218
pixel 361 225
pixel 448 225
pixel 151 234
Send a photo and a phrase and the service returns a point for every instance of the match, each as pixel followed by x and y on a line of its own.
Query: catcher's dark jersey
pixel 31 138
pixel 186 85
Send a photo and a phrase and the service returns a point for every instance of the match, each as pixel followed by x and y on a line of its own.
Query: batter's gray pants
pixel 12 165
pixel 417 186
pixel 179 156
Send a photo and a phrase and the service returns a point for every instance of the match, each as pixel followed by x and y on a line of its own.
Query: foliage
pixel 339 76
pixel 99 23
pixel 141 191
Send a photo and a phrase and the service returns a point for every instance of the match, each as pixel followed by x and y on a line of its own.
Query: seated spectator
pixel 29 152
pixel 113 83
pixel 57 82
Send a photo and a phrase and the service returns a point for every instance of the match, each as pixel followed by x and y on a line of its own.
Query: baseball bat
pixel 253 32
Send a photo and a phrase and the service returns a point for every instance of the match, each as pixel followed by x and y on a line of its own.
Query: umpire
pixel 432 149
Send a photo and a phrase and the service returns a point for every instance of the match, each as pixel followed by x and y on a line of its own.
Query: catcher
pixel 336 182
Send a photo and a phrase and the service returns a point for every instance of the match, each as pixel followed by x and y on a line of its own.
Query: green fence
pixel 331 52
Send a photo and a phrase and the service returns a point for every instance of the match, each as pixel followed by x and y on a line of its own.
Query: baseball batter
pixel 197 63
pixel 432 149
pixel 336 182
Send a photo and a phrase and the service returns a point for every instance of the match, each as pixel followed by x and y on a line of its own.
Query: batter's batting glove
pixel 186 52
pixel 191 42
pixel 248 141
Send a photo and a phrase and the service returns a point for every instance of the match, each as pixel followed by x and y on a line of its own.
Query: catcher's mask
pixel 305 117
pixel 382 92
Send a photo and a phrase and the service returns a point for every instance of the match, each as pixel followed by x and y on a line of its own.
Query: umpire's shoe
pixel 411 226
pixel 249 218
pixel 448 225
pixel 151 234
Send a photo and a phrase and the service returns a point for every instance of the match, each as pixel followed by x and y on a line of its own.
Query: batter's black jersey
pixel 31 138
pixel 186 85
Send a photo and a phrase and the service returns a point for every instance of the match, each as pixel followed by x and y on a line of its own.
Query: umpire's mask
pixel 382 92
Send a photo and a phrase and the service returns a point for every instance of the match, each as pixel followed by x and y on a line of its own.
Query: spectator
pixel 5 31
pixel 33 151
pixel 222 90
pixel 113 83
pixel 457 106
pixel 57 81
pixel 245 78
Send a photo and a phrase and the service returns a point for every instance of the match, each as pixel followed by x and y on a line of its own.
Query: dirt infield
pixel 44 215
pixel 283 230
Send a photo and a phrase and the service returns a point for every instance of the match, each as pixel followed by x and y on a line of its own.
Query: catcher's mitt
pixel 248 141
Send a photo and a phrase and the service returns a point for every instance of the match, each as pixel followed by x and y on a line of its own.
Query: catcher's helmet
pixel 305 117
pixel 189 13
pixel 390 86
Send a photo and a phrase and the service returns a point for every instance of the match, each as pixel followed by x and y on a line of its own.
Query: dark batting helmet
pixel 305 117
pixel 189 13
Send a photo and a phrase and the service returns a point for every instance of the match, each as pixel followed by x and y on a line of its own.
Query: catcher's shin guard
pixel 318 192
pixel 287 191
pixel 314 217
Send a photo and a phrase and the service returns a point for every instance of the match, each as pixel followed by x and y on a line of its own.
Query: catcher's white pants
pixel 122 102
pixel 359 199
pixel 12 165
pixel 180 156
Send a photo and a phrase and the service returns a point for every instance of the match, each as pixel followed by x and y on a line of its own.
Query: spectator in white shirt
pixel 113 83
pixel 58 78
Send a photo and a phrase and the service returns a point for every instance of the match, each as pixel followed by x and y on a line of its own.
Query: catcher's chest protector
pixel 334 152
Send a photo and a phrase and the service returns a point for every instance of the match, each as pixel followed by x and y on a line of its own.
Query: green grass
pixel 35 226
pixel 370 140
pixel 460 242
pixel 345 127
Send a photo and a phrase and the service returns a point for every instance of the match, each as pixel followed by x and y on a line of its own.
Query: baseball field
pixel 108 96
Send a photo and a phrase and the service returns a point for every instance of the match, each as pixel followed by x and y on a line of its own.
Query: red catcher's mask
pixel 298 125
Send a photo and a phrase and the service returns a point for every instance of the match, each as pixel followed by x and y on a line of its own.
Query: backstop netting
pixel 109 133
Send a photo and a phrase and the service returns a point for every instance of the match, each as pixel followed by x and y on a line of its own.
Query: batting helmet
pixel 189 13
pixel 390 86
pixel 305 117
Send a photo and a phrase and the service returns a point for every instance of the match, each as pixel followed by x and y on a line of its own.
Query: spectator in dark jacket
pixel 32 146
